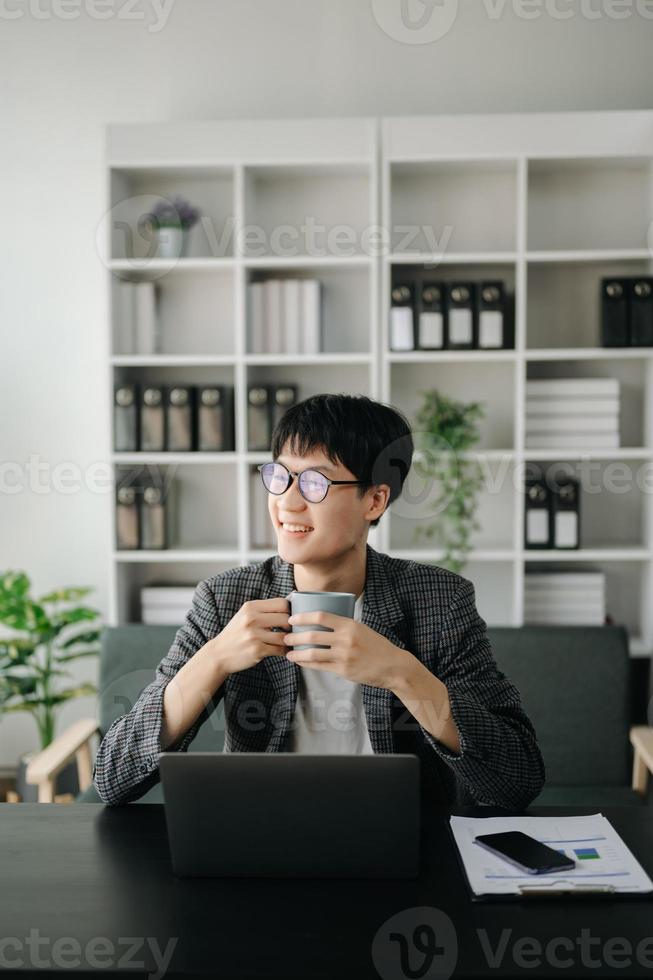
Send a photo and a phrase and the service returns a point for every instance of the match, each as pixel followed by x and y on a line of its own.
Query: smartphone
pixel 525 852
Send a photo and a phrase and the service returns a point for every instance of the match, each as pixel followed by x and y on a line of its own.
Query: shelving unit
pixel 548 202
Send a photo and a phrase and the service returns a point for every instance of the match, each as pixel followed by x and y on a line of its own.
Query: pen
pixel 569 890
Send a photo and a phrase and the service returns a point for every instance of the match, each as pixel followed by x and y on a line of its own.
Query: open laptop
pixel 287 815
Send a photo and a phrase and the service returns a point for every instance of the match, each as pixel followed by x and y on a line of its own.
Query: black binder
pixel 537 515
pixel 614 313
pixel 431 317
pixel 640 309
pixel 402 318
pixel 125 418
pixel 565 515
pixel 152 419
pixel 259 418
pixel 462 319
pixel 127 518
pixel 180 418
pixel 492 316
pixel 215 419
pixel 283 396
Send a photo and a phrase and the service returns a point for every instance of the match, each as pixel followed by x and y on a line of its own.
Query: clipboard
pixel 574 894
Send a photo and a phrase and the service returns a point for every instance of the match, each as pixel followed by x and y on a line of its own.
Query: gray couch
pixel 574 684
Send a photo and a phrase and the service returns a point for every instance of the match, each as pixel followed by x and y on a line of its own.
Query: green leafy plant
pixel 445 430
pixel 32 664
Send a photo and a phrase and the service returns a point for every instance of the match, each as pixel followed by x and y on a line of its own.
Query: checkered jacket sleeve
pixel 126 763
pixel 500 762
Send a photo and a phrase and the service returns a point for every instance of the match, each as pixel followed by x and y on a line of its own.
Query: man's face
pixel 338 522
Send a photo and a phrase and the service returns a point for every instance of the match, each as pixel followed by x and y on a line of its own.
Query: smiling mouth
pixel 296 530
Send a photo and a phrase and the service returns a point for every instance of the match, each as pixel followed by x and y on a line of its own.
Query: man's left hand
pixel 355 651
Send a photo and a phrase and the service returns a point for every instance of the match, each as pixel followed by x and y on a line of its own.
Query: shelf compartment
pixel 613 499
pixel 203 503
pixel 309 211
pixel 624 587
pixel 491 383
pixel 135 576
pixel 632 375
pixel 194 310
pixel 345 305
pixel 455 206
pixel 589 203
pixel 416 507
pixel 564 302
pixel 135 190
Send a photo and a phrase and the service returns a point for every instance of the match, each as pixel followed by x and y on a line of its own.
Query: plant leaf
pixel 66 594
pixel 91 636
pixel 86 652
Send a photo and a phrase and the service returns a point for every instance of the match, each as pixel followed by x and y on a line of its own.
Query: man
pixel 412 672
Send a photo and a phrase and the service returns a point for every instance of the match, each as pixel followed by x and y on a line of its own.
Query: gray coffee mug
pixel 339 603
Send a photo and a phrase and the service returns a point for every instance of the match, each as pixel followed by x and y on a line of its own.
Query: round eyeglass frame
pixel 292 475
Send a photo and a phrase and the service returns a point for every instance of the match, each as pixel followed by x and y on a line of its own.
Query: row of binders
pixel 143 516
pixel 165 605
pixel 173 418
pixel 266 404
pixel 285 316
pixel 136 318
pixel 552 514
pixel 627 312
pixel 427 315
pixel 572 413
pixel 564 598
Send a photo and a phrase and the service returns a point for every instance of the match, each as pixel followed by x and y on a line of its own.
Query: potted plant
pixel 445 432
pixel 169 223
pixel 33 662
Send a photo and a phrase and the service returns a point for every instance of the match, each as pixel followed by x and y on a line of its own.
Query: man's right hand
pixel 248 638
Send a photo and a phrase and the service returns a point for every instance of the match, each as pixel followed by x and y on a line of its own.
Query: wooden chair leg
pixel 640 773
pixel 84 767
pixel 46 791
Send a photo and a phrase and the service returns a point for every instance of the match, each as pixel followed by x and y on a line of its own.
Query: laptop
pixel 289 815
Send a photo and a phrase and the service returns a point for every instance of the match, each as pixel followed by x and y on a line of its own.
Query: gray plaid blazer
pixel 420 608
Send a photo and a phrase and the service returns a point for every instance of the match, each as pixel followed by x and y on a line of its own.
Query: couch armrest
pixel 641 737
pixel 74 742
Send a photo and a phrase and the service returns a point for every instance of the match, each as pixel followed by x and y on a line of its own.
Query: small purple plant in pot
pixel 168 224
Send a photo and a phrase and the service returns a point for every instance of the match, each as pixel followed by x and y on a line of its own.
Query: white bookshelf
pixel 548 202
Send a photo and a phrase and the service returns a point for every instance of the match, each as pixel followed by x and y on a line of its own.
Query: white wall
pixel 63 80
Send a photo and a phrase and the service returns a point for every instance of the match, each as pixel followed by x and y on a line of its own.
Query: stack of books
pixel 572 413
pixel 285 316
pixel 137 325
pixel 565 598
pixel 166 605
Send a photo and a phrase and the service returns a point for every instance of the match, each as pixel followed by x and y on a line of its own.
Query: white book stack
pixel 564 598
pixel 262 534
pixel 572 413
pixel 285 316
pixel 136 318
pixel 166 605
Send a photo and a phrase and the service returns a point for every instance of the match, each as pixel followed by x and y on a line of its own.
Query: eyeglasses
pixel 312 484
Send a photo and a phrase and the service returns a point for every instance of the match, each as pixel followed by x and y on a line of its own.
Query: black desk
pixel 86 871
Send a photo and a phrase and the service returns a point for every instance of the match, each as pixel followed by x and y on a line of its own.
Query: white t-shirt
pixel 329 714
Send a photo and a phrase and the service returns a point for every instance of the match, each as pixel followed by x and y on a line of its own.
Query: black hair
pixel 373 440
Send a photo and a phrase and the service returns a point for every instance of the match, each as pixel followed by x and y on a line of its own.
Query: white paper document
pixel 601 857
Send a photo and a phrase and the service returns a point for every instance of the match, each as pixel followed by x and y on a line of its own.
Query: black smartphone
pixel 525 852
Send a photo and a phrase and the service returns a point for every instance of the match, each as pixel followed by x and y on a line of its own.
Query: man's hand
pixel 250 635
pixel 355 651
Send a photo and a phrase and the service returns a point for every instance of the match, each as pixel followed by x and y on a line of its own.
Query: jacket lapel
pixel 381 612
